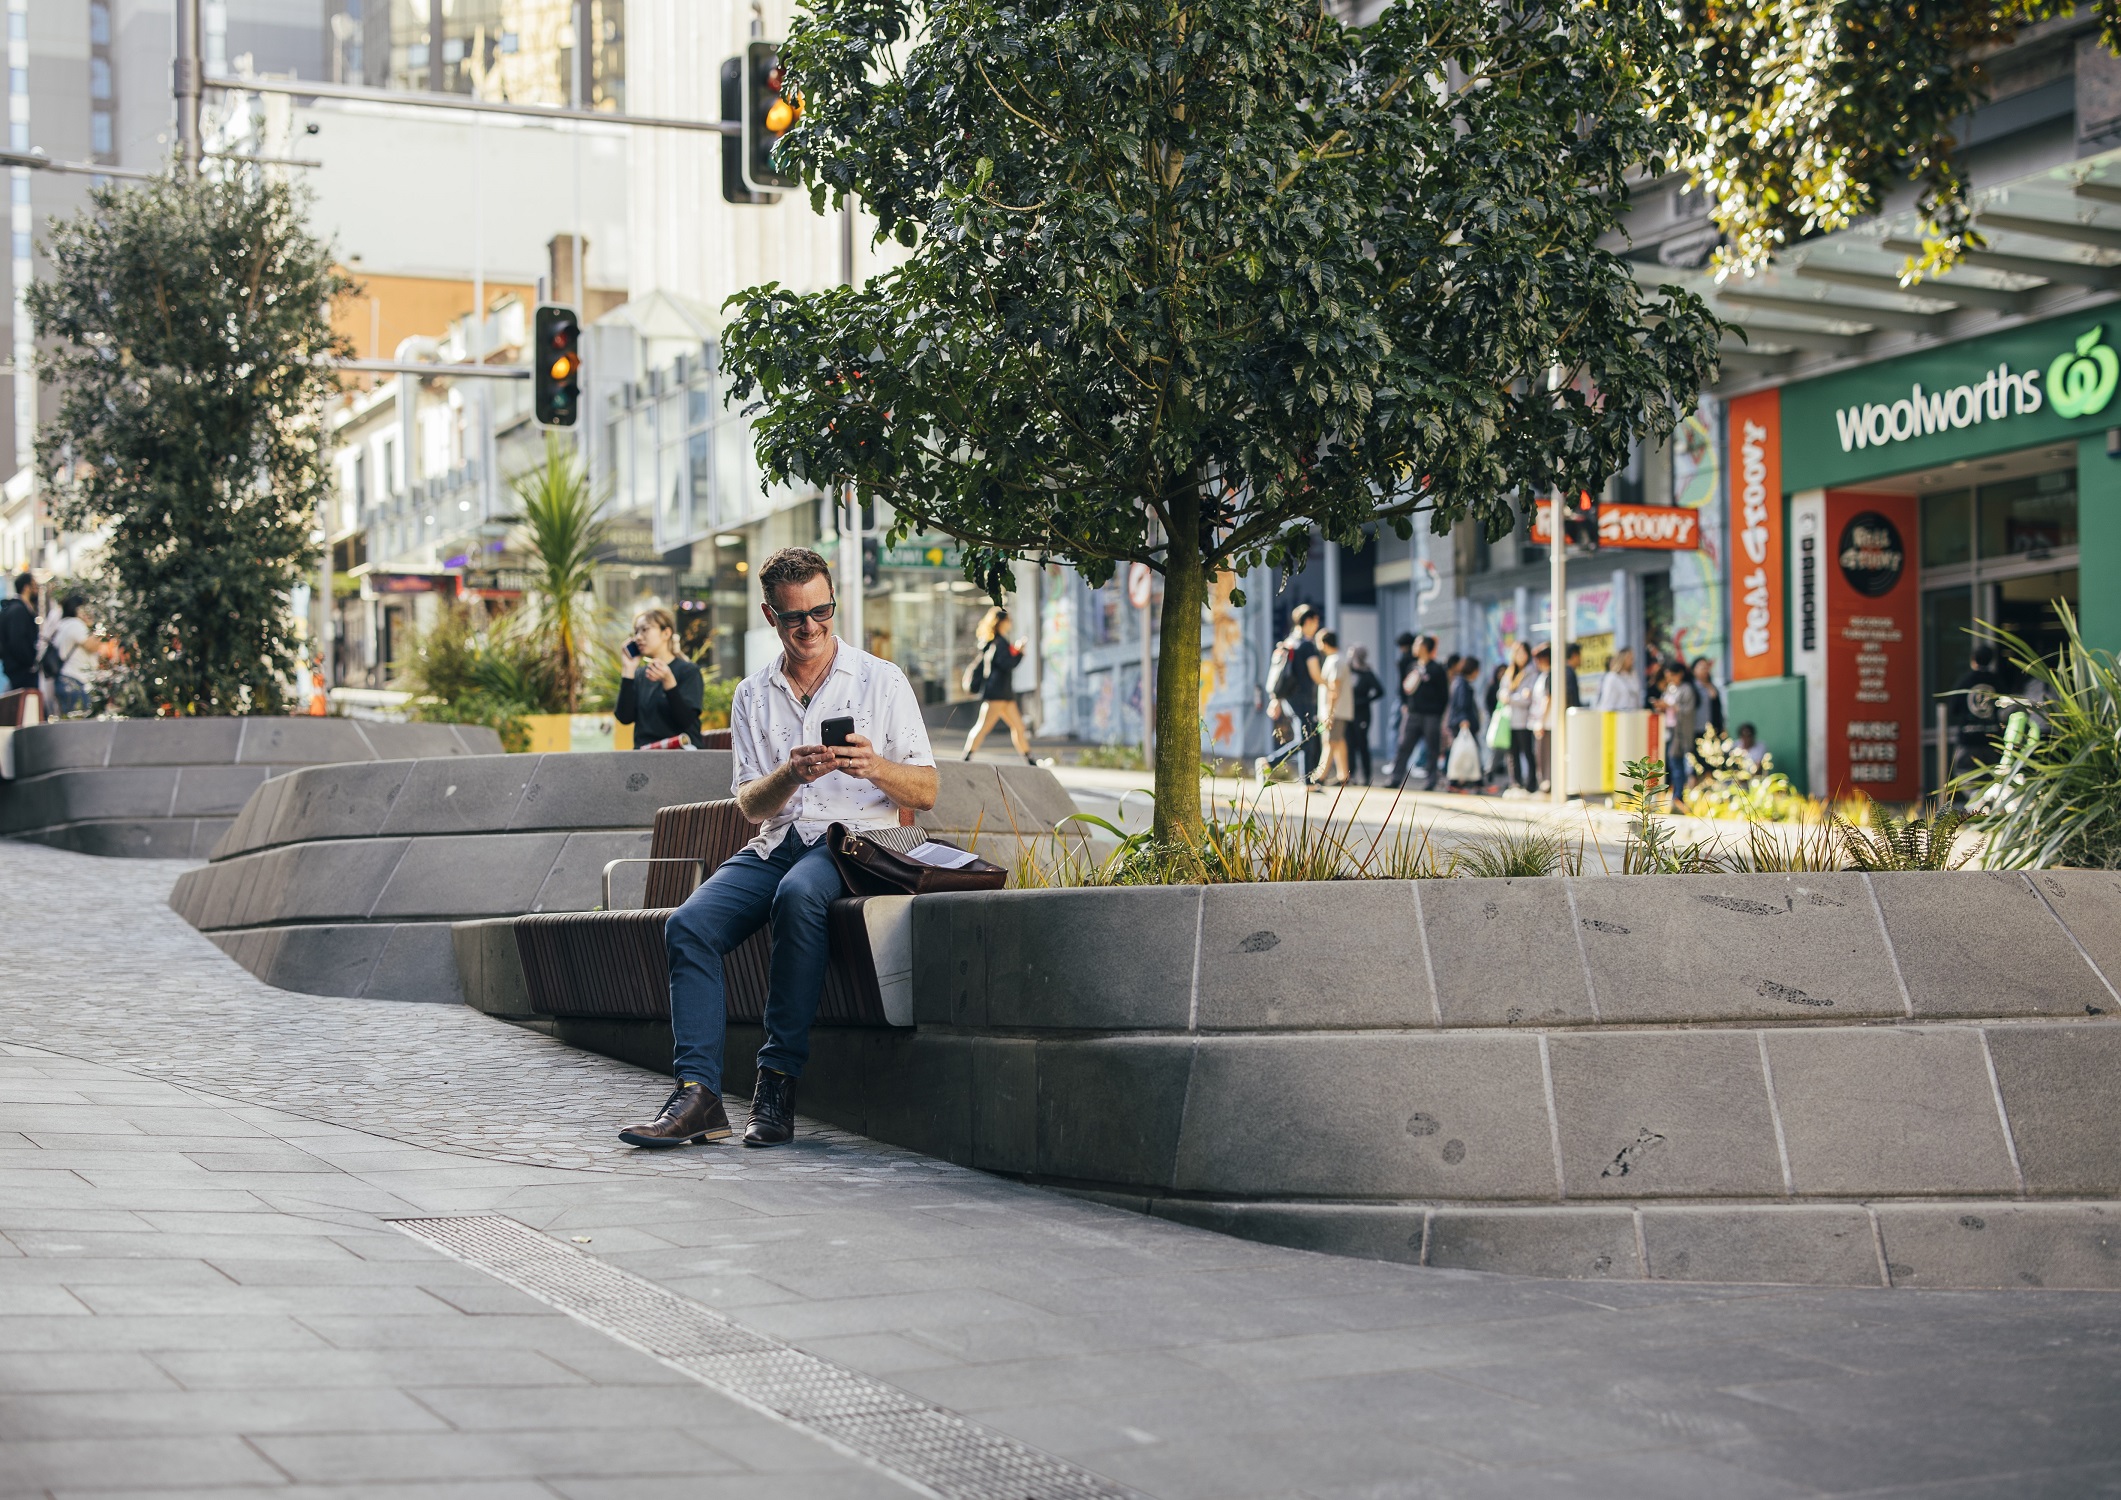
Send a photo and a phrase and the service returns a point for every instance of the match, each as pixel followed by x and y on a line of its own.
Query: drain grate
pixel 931 1450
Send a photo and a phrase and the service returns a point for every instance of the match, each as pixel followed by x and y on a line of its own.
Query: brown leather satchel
pixel 878 862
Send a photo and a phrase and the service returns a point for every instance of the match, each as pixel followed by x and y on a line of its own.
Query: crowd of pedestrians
pixel 49 646
pixel 1460 725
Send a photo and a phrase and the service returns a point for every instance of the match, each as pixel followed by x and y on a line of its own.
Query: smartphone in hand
pixel 836 731
pixel 633 648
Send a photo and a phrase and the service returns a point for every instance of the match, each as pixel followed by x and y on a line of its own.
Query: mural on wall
pixel 1056 652
pixel 1697 577
pixel 1230 676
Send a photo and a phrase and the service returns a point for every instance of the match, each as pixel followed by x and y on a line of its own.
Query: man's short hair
pixel 24 582
pixel 789 566
pixel 1747 729
pixel 1301 613
pixel 1984 654
pixel 1575 649
pixel 1543 653
pixel 1328 638
pixel 1406 638
pixel 1429 641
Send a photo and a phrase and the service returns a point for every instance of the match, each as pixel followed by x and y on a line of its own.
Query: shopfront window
pixel 2029 517
pixel 1947 528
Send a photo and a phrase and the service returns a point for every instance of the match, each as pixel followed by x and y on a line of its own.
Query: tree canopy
pixel 1187 280
pixel 185 330
pixel 1811 111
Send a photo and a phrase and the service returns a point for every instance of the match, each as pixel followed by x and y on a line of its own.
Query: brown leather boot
pixel 690 1114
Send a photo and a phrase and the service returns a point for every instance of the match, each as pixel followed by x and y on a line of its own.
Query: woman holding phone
pixel 660 692
pixel 992 676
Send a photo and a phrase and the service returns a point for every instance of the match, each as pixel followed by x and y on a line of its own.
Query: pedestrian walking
pixel 795 786
pixel 18 634
pixel 1461 722
pixel 68 657
pixel 1676 706
pixel 660 692
pixel 1424 695
pixel 1367 691
pixel 1971 710
pixel 1708 707
pixel 1293 676
pixel 1619 690
pixel 1336 709
pixel 1516 697
pixel 1543 715
pixel 992 678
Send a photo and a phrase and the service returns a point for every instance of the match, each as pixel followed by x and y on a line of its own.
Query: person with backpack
pixel 69 657
pixel 18 634
pixel 1293 677
pixel 991 678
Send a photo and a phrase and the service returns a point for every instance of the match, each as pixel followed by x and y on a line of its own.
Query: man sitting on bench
pixel 795 787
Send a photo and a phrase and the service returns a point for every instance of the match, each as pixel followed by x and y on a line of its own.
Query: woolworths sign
pixel 2080 383
pixel 2034 384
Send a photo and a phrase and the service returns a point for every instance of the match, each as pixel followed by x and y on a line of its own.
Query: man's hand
pixel 858 758
pixel 809 762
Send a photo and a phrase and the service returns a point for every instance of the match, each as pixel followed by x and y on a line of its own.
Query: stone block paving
pixel 201 1294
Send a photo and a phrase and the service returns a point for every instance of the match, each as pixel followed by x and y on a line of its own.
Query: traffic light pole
pixel 412 98
pixel 1558 635
pixel 187 74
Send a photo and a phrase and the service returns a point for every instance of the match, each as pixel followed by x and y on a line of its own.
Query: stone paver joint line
pixel 925 1447
pixel 1907 999
pixel 1428 960
pixel 1995 1089
pixel 1546 1079
pixel 1885 1267
pixel 1774 1106
pixel 1583 954
pixel 2082 952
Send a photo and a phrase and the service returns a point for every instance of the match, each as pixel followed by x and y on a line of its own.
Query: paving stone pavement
pixel 200 1293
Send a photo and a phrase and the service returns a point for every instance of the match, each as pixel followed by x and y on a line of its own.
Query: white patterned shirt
pixel 767 721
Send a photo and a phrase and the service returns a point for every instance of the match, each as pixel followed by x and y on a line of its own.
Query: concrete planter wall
pixel 1896 1079
pixel 169 788
pixel 348 879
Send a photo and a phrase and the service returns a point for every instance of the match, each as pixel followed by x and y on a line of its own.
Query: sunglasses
pixel 791 619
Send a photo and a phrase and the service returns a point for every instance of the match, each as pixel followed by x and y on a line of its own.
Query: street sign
pixel 1659 528
pixel 1140 580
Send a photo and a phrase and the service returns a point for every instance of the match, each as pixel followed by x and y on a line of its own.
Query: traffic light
pixel 556 366
pixel 1580 521
pixel 734 189
pixel 769 114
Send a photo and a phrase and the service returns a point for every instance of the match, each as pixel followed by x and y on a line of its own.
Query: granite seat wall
pixel 347 879
pixel 171 788
pixel 1756 1078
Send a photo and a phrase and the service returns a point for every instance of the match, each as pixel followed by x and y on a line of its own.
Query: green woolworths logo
pixel 2081 382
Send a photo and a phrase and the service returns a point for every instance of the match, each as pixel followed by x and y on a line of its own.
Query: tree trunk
pixel 1178 677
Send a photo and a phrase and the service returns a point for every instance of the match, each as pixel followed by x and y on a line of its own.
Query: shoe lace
pixel 676 1099
pixel 774 1096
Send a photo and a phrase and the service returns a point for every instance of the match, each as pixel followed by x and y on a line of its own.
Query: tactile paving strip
pixel 930 1450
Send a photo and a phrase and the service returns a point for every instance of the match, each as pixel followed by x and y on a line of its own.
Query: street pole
pixel 851 585
pixel 186 74
pixel 1558 636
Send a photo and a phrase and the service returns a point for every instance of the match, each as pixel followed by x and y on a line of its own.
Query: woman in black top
pixel 992 676
pixel 659 691
pixel 1367 691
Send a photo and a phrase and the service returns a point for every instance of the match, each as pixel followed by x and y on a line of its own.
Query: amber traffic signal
pixel 556 366
pixel 769 113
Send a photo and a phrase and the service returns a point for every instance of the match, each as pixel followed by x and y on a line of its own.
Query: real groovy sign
pixel 2079 382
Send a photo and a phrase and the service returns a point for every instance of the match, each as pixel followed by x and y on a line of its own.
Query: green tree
pixel 558 511
pixel 184 328
pixel 1811 113
pixel 1188 279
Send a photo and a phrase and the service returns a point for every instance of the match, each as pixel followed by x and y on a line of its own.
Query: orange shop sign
pixel 1656 528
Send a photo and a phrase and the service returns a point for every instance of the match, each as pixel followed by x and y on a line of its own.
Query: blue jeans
pixel 793 885
pixel 71 693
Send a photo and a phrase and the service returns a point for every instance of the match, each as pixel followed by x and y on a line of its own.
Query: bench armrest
pixel 697 872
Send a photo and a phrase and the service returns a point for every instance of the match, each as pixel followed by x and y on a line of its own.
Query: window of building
pixel 98 24
pixel 99 133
